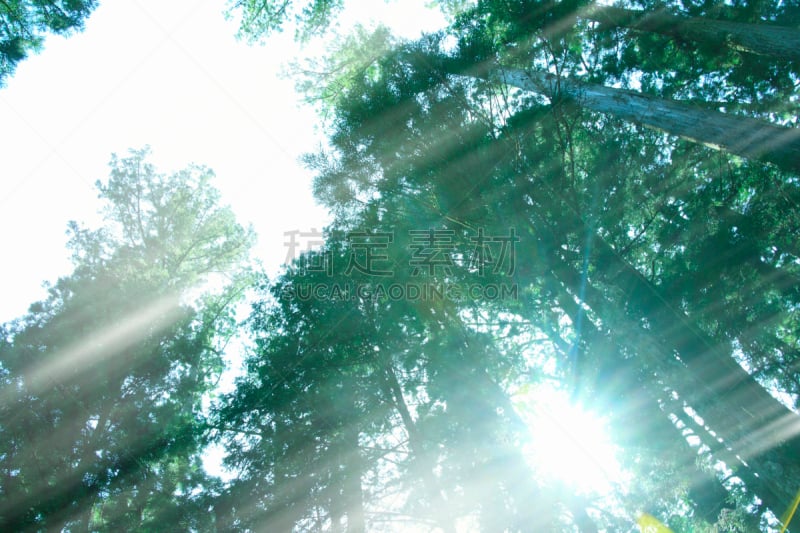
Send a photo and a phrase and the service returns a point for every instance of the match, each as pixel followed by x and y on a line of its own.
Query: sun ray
pixel 101 346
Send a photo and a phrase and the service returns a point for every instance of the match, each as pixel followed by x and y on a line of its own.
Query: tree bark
pixel 743 136
pixel 762 39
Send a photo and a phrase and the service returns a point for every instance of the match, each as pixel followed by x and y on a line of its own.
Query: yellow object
pixel 650 524
pixel 790 513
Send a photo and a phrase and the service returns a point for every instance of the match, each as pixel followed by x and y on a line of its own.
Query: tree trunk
pixel 761 39
pixel 353 493
pixel 743 136
pixel 416 441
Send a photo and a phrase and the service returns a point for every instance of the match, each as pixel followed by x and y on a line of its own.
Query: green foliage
pixel 103 381
pixel 260 18
pixel 326 81
pixel 346 397
pixel 656 283
pixel 24 24
pixel 652 268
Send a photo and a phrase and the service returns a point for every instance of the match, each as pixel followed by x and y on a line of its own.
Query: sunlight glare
pixel 570 445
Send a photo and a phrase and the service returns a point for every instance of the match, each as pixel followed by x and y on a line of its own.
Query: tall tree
pixel 574 203
pixel 336 356
pixel 103 380
pixel 641 241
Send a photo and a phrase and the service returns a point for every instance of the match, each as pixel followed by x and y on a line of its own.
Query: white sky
pixel 171 75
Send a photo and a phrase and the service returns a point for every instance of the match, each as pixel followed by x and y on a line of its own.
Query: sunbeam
pixel 101 346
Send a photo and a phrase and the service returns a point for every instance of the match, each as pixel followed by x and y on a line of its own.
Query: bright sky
pixel 171 75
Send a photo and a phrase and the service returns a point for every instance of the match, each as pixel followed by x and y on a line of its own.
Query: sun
pixel 569 444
